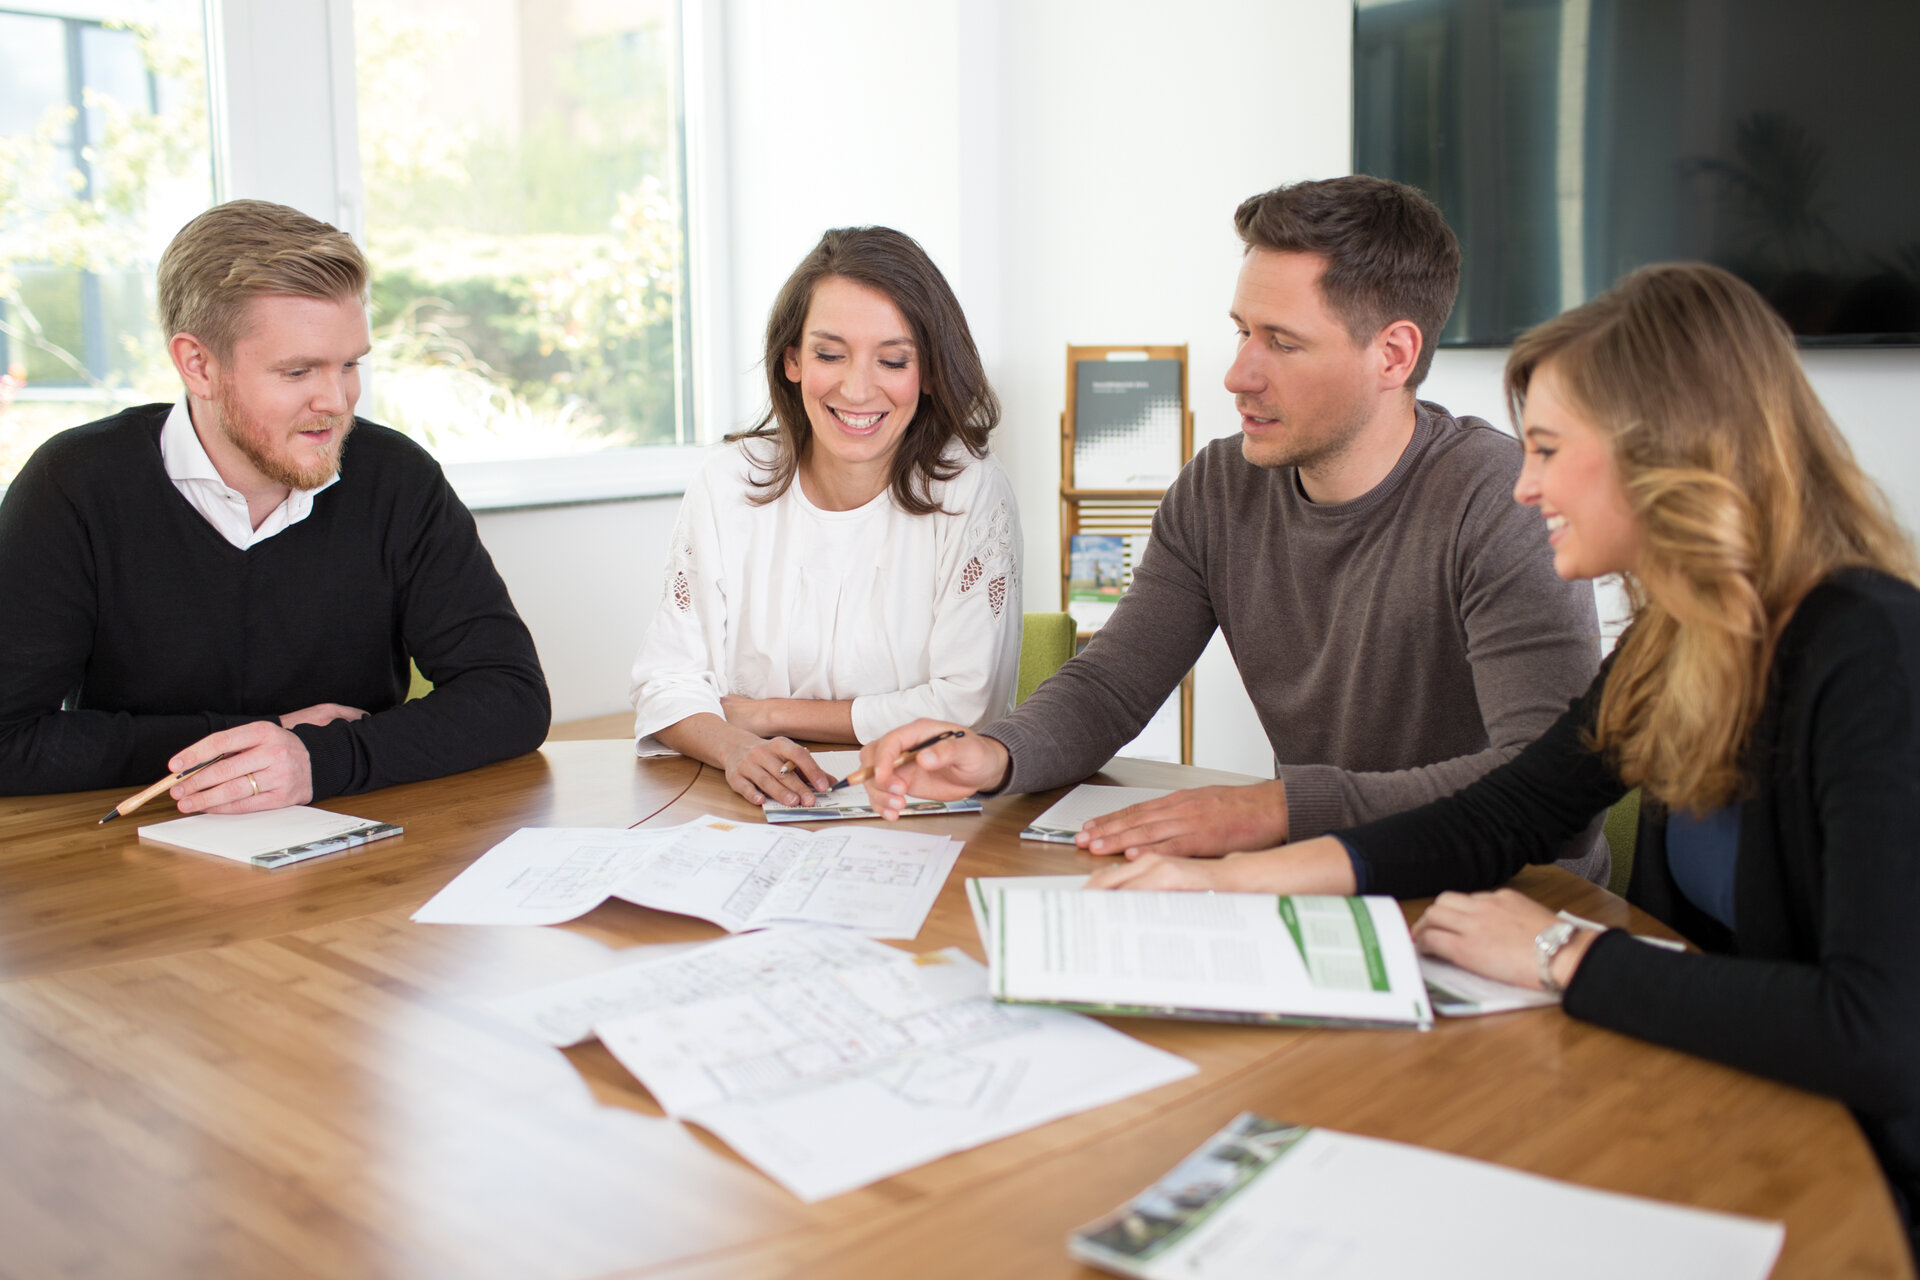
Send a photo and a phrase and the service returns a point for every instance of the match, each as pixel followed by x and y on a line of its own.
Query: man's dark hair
pixel 1390 255
pixel 956 402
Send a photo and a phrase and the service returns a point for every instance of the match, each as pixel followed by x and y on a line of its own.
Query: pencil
pixel 865 771
pixel 131 803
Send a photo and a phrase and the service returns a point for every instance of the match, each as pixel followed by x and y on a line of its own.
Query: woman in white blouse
pixel 851 563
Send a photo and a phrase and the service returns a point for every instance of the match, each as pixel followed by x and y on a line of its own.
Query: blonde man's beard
pixel 256 443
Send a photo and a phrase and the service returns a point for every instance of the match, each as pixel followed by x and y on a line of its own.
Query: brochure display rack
pixel 1125 434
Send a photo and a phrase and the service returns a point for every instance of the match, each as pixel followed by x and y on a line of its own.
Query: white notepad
pixel 1060 823
pixel 270 838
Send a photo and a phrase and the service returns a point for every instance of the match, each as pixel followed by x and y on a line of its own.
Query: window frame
pixel 265 143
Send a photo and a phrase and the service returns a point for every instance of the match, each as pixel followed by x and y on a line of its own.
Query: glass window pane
pixel 50 296
pixel 115 75
pixel 33 70
pixel 81 231
pixel 524 223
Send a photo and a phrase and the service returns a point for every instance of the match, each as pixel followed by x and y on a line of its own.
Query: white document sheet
pixel 835 1080
pixel 738 875
pixel 1337 1206
pixel 564 1013
pixel 544 875
pixel 1064 818
pixel 746 875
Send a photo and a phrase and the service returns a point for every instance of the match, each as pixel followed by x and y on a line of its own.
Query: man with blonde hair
pixel 247 572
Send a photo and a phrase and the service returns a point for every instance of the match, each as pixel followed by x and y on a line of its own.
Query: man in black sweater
pixel 249 571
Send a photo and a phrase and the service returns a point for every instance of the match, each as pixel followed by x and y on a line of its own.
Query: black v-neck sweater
pixel 129 628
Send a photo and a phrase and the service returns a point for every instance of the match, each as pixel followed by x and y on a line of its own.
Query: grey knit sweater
pixel 1396 647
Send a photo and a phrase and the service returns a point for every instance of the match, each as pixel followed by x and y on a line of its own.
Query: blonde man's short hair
pixel 246 249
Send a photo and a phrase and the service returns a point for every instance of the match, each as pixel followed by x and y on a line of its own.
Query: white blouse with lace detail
pixel 905 615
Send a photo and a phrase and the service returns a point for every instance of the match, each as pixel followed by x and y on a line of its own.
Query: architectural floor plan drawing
pixel 837 1079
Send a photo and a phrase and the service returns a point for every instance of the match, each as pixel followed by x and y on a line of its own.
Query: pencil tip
pixel 111 815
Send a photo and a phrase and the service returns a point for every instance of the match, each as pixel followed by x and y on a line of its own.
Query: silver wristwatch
pixel 1545 947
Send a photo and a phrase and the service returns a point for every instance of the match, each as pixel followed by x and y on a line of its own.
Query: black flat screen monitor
pixel 1570 141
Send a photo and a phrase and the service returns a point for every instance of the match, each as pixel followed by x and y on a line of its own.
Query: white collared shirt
pixel 223 506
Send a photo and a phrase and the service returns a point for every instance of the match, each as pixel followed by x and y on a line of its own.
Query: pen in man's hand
pixel 865 771
pixel 131 803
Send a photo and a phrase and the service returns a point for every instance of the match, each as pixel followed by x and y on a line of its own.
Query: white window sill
pixel 614 476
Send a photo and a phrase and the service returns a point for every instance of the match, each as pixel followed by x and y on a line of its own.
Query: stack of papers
pixel 1231 957
pixel 740 876
pixel 830 1069
pixel 1267 1199
pixel 853 801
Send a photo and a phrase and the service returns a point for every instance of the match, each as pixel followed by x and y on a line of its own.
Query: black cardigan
pixel 128 609
pixel 1821 986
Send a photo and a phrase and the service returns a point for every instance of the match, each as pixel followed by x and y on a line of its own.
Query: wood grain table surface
pixel 212 1070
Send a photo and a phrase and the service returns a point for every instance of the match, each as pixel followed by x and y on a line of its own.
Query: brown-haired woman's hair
pixel 956 402
pixel 245 249
pixel 1746 494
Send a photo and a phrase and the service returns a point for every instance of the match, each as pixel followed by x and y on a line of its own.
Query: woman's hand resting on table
pixel 1492 934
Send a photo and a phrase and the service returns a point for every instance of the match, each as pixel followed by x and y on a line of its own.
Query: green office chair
pixel 1623 828
pixel 420 686
pixel 1046 641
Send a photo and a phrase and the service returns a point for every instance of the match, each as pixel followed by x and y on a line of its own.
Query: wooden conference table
pixel 211 1070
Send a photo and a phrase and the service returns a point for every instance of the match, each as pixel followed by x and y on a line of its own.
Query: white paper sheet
pixel 563 1013
pixel 544 875
pixel 745 875
pixel 738 875
pixel 1064 818
pixel 835 1080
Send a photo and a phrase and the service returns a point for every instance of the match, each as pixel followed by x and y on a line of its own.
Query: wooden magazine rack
pixel 1121 511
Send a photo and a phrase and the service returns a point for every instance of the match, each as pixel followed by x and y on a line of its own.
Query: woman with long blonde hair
pixel 1765 698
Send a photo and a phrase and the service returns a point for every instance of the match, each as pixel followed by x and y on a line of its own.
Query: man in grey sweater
pixel 1393 612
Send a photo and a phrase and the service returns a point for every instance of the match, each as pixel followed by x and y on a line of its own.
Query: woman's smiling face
pixel 1571 478
pixel 858 373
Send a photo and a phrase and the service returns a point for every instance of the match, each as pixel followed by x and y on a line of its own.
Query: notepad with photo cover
pixel 270 838
pixel 1064 818
pixel 1216 957
pixel 1261 1198
pixel 853 801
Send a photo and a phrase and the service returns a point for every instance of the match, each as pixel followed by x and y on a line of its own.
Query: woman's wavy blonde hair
pixel 1746 494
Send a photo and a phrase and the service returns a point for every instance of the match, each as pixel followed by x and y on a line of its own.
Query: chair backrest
pixel 1623 829
pixel 1046 641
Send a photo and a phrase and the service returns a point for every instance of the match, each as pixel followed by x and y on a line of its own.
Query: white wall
pixel 1073 166
pixel 587 580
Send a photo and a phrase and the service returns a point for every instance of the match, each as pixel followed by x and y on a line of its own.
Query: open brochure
pixel 1230 957
pixel 829 1077
pixel 738 875
pixel 853 801
pixel 1265 1199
